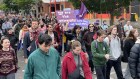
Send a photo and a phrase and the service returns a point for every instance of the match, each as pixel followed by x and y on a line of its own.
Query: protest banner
pixel 83 23
pixel 66 16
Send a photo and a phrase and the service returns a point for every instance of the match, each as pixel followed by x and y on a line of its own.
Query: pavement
pixel 19 74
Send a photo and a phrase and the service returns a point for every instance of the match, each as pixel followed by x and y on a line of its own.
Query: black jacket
pixel 71 36
pixel 120 30
pixel 88 38
pixel 56 38
pixel 13 40
pixel 26 43
pixel 134 61
pixel 128 44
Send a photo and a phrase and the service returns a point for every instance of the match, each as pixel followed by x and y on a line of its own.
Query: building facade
pixel 50 6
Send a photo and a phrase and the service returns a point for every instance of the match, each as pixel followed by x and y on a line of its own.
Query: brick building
pixel 50 6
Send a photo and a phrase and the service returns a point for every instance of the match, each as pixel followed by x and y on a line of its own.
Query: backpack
pixel 104 45
pixel 96 44
pixel 110 39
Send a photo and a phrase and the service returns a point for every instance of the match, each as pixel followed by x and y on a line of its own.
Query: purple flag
pixel 82 11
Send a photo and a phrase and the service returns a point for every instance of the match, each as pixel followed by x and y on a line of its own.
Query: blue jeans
pixel 101 72
pixel 9 76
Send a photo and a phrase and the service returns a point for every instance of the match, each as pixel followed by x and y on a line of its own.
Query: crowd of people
pixel 94 50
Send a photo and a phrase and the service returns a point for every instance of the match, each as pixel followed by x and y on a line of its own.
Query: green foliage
pixel 17 5
pixel 7 3
pixel 3 7
pixel 103 6
pixel 75 3
pixel 24 4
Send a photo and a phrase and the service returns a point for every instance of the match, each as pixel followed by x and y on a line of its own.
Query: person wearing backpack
pixel 100 52
pixel 113 41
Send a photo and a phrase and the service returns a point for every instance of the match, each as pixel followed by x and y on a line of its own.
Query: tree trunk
pixel 111 18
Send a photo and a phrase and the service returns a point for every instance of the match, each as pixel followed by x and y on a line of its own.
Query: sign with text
pixel 66 16
pixel 82 23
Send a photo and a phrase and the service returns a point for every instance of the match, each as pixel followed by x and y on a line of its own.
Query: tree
pixel 113 7
pixel 24 4
pixel 3 7
pixel 16 5
pixel 9 5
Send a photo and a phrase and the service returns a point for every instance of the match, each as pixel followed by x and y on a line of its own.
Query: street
pixel 19 74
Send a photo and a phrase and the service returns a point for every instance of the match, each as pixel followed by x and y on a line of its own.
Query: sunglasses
pixel 91 26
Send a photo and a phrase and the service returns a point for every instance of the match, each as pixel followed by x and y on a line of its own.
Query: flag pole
pixel 88 15
pixel 101 12
pixel 85 5
pixel 50 7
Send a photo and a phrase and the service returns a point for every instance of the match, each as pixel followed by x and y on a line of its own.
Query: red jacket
pixel 69 65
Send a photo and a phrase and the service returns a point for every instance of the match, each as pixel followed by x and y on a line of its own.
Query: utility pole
pixel 130 10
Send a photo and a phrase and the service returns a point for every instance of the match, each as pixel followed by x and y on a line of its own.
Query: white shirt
pixel 127 29
pixel 104 27
pixel 115 47
pixel 6 25
pixel 52 36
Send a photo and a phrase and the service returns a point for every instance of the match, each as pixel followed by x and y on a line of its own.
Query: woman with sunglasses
pixel 88 38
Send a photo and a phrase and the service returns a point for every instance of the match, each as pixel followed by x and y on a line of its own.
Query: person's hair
pixel 91 25
pixel 109 30
pixel 35 19
pixel 1 41
pixel 75 44
pixel 49 24
pixel 44 38
pixel 75 28
pixel 101 32
pixel 9 29
pixel 131 35
pixel 104 21
pixel 25 26
pixel 20 21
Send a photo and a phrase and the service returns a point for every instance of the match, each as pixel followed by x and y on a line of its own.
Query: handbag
pixel 76 73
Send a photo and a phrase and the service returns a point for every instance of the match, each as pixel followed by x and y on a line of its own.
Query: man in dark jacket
pixel 121 33
pixel 120 28
pixel 54 35
pixel 30 40
pixel 134 60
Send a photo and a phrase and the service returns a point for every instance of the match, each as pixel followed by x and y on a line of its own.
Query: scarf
pixel 34 35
